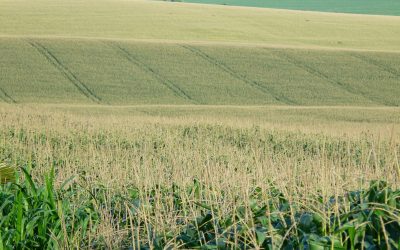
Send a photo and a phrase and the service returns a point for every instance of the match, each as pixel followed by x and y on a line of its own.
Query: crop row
pixel 138 73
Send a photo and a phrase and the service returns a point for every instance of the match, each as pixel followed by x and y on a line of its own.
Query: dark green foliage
pixel 39 217
pixel 371 223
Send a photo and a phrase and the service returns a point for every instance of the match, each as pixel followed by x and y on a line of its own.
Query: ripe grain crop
pixel 137 172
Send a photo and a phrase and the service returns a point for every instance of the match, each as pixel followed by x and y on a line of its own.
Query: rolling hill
pixel 382 7
pixel 129 73
pixel 120 53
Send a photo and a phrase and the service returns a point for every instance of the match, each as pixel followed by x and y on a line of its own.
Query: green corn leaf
pixel 50 189
pixel 261 236
pixel 1 241
pixel 19 222
pixel 31 183
pixel 317 246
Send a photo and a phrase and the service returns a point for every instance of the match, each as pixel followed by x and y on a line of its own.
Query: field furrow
pixel 317 73
pixel 170 85
pixel 235 74
pixel 371 61
pixel 51 58
pixel 6 97
pixel 132 73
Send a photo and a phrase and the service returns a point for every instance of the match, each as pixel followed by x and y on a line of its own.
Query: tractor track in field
pixel 377 64
pixel 6 97
pixel 51 58
pixel 238 76
pixel 319 74
pixel 143 66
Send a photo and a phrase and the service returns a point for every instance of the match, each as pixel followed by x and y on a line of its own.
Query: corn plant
pixel 37 217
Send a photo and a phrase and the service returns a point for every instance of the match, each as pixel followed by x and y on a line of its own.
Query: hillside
pixel 136 20
pixel 119 53
pixel 128 73
pixel 381 7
